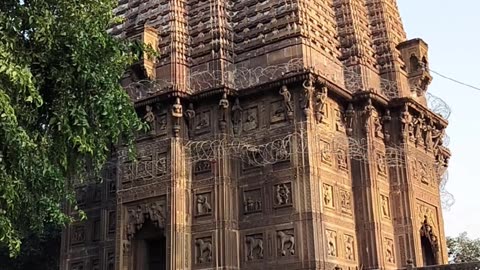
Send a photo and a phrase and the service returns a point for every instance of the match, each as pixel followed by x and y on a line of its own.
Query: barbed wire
pixel 240 78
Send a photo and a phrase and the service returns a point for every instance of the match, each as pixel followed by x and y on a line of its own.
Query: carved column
pixel 365 190
pixel 180 220
pixel 226 247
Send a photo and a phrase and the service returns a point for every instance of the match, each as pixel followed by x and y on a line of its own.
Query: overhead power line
pixel 455 81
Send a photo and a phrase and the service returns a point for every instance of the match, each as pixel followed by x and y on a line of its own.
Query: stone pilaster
pixel 179 236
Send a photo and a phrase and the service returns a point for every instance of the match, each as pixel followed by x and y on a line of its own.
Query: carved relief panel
pixel 326 152
pixel 250 119
pixel 136 215
pixel 203 250
pixel 339 120
pixel 349 244
pixel 346 201
pixel 161 123
pixel 385 206
pixel 332 243
pixel 341 159
pixel 202 166
pixel 389 251
pixel 78 234
pixel 151 162
pixel 78 266
pixel 283 195
pixel 110 260
pixel 203 204
pixel 328 197
pixel 286 242
pixel 254 247
pixel 381 164
pixel 202 122
pixel 252 201
pixel 277 112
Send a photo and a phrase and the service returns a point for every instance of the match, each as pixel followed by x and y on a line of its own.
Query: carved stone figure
pixel 320 100
pixel 331 243
pixel 349 248
pixel 237 116
pixel 177 113
pixel 339 121
pixel 190 117
pixel 287 242
pixel 341 159
pixel 381 166
pixel 78 234
pixel 150 118
pixel 386 119
pixel 406 120
pixel 251 121
pixel 349 115
pixel 423 172
pixel 287 100
pixel 223 108
pixel 429 136
pixel 204 250
pixel 385 206
pixel 155 211
pixel 203 206
pixel 204 121
pixel 419 127
pixel 282 194
pixel 177 110
pixel 437 137
pixel 377 125
pixel 389 255
pixel 162 122
pixel 328 195
pixel 367 113
pixel 252 205
pixel 345 201
pixel 254 247
pixel 308 89
pixel 325 152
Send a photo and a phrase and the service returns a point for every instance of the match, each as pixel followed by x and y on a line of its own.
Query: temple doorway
pixel 427 252
pixel 150 249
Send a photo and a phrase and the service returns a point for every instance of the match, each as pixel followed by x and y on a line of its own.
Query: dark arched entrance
pixel 429 244
pixel 149 247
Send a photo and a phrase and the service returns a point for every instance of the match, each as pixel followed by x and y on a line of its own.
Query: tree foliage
pixel 61 106
pixel 463 249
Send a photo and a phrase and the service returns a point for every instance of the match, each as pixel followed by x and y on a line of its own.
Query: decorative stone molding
pixel 136 216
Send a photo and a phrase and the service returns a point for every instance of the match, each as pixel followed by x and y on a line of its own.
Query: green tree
pixel 463 249
pixel 61 106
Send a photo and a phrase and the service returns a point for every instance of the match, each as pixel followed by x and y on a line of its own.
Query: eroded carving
pixel 389 251
pixel 252 201
pixel 287 100
pixel 150 118
pixel 136 216
pixel 283 194
pixel 328 195
pixel 78 234
pixel 332 243
pixel 190 118
pixel 385 204
pixel 254 246
pixel 203 204
pixel 320 101
pixel 251 119
pixel 349 247
pixel 342 159
pixel 349 116
pixel 286 240
pixel 346 201
pixel 308 89
pixel 237 116
pixel 204 249
pixel 277 112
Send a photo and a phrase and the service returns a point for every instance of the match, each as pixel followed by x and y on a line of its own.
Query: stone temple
pixel 284 134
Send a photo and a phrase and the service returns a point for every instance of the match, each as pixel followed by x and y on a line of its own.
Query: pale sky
pixel 451 28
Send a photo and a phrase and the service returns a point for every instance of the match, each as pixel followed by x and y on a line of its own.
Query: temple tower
pixel 284 134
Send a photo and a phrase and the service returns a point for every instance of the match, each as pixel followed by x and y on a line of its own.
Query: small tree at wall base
pixel 61 106
pixel 462 249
